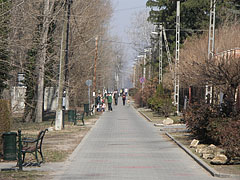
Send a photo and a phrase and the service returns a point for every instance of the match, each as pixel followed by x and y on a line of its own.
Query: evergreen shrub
pixel 162 102
pixel 5 119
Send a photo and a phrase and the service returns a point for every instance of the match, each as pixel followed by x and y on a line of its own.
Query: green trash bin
pixel 71 115
pixel 86 108
pixel 9 146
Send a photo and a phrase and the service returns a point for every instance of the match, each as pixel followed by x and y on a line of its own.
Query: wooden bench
pixel 33 146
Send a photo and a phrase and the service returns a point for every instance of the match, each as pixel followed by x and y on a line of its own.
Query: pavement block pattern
pixel 124 146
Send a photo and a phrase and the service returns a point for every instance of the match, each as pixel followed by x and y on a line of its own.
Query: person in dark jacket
pixel 115 96
pixel 124 98
pixel 109 100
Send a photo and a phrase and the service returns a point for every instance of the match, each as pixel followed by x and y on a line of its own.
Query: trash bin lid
pixel 9 133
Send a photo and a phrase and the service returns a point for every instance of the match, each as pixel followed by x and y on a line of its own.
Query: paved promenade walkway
pixel 124 146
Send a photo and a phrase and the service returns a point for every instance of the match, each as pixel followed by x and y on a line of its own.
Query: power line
pixel 189 30
pixel 121 42
pixel 126 9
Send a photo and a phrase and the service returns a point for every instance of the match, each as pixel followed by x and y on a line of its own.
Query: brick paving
pixel 123 145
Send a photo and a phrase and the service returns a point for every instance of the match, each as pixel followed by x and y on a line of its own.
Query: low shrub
pixel 141 95
pixel 138 98
pixel 161 101
pixel 197 120
pixel 132 92
pixel 226 132
pixel 210 126
pixel 230 138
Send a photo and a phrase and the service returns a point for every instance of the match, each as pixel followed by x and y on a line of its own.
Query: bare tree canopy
pixel 34 35
pixel 140 30
pixel 195 65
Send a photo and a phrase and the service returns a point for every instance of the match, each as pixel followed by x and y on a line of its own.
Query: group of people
pixel 100 101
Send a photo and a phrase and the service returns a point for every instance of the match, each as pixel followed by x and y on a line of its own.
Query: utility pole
pixel 176 79
pixel 149 59
pixel 68 3
pixel 167 49
pixel 142 62
pixel 144 67
pixel 211 45
pixel 160 73
pixel 150 62
pixel 59 113
pixel 95 68
pixel 152 55
pixel 134 76
pixel 211 35
pixel 160 50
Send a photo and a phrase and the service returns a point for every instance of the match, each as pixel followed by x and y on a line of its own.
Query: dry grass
pixel 57 145
pixel 26 175
pixel 159 119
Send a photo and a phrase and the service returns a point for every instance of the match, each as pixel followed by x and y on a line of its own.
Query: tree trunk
pixel 41 64
pixel 230 101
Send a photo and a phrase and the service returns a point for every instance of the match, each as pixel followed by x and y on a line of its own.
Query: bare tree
pixel 140 31
pixel 42 58
pixel 221 71
pixel 35 40
pixel 194 53
pixel 89 20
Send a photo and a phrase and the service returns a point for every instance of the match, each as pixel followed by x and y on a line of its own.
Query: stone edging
pixel 145 116
pixel 212 171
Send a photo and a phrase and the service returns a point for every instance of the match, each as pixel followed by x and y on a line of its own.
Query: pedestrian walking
pixel 98 101
pixel 124 98
pixel 109 100
pixel 115 97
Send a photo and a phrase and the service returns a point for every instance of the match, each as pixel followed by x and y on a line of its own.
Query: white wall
pixel 18 102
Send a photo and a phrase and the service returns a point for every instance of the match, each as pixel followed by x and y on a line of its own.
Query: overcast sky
pixel 123 12
pixel 122 16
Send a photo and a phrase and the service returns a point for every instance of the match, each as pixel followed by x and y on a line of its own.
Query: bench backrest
pixel 40 138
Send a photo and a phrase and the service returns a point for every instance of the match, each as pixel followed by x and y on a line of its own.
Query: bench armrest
pixel 29 140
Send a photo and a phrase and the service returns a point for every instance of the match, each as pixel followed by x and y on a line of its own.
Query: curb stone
pixel 212 171
pixel 145 116
pixel 162 128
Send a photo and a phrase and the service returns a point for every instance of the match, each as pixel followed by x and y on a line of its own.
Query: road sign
pixel 142 79
pixel 88 82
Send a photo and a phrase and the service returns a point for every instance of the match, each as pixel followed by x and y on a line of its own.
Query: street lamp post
pixel 160 74
pixel 142 79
